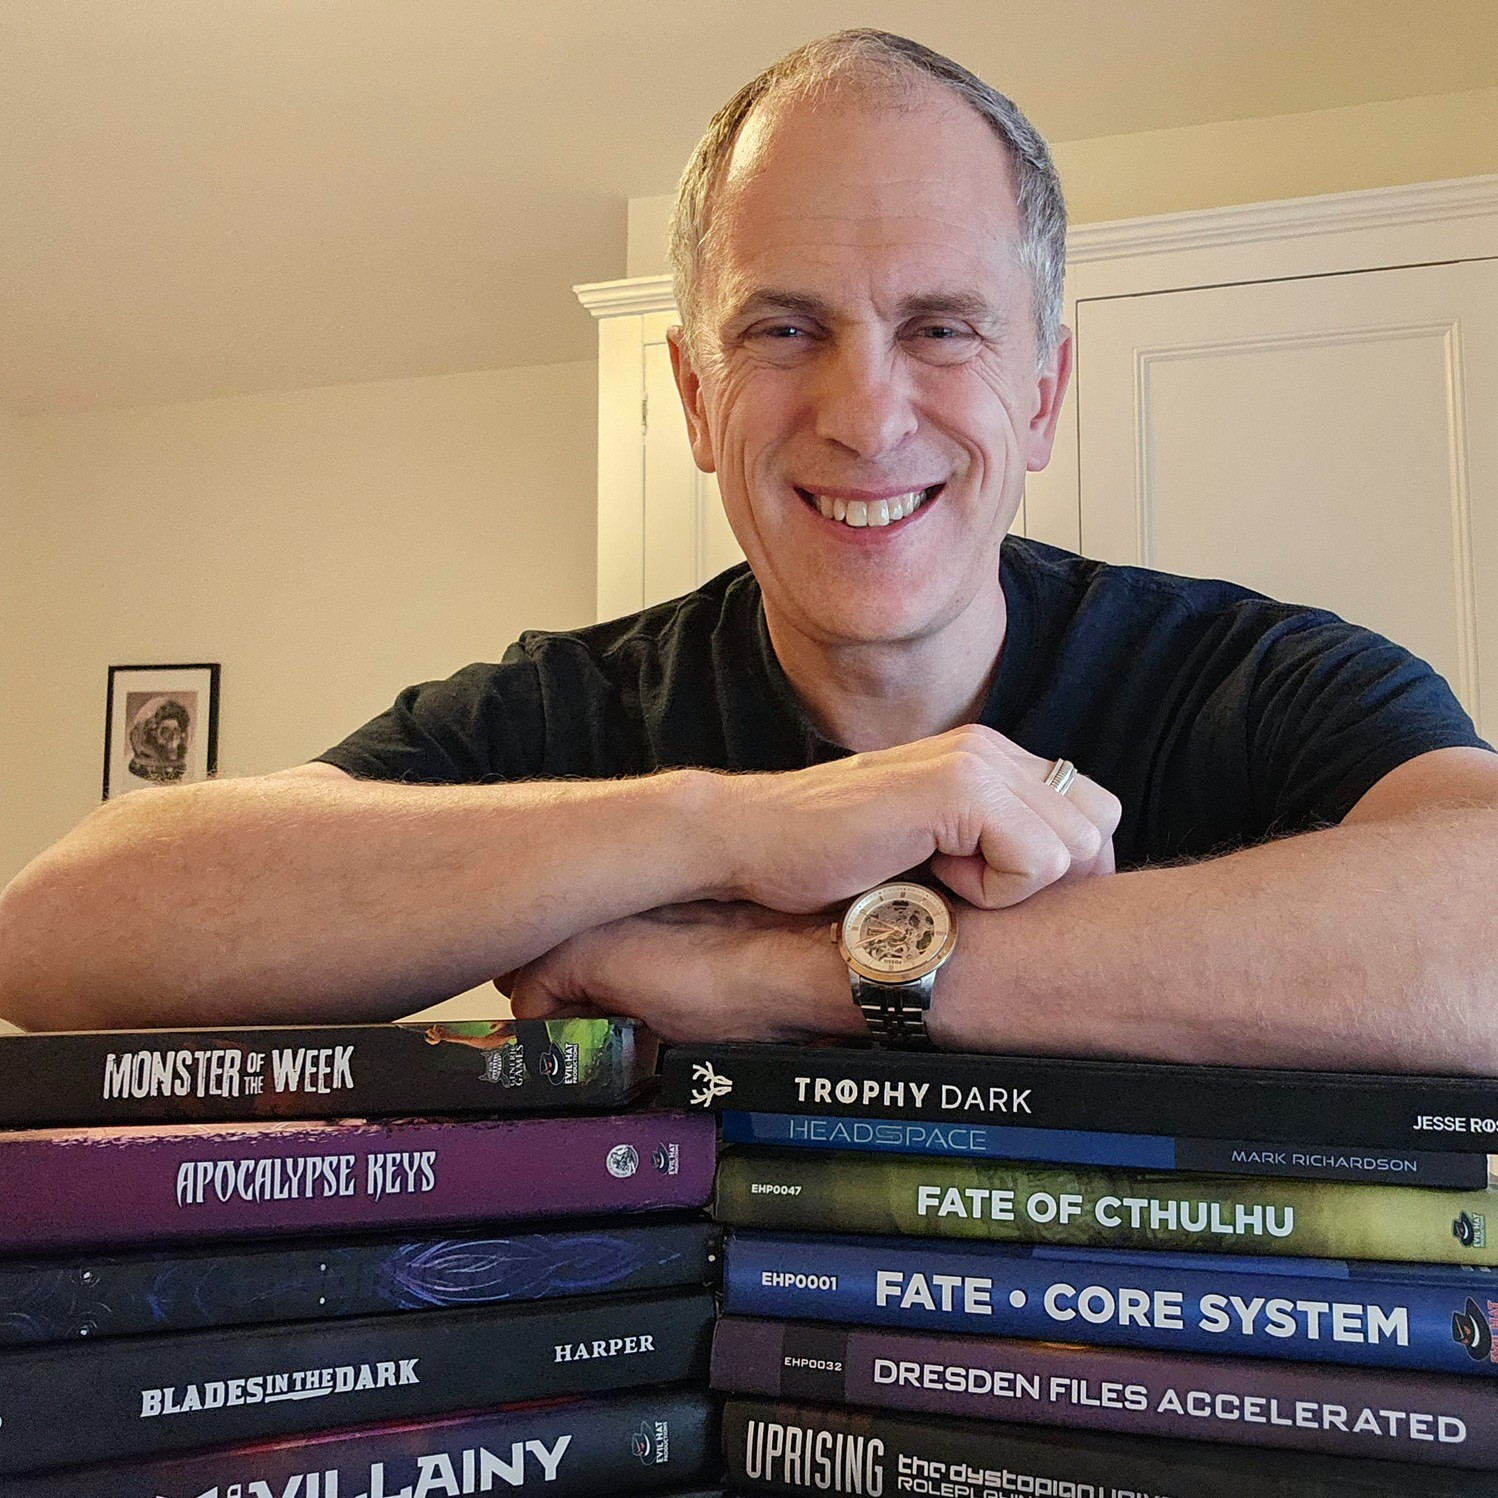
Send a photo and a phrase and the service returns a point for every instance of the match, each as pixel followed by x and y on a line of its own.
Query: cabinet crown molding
pixel 629 298
pixel 1250 223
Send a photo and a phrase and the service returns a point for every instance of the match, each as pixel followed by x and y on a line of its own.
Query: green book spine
pixel 1021 1203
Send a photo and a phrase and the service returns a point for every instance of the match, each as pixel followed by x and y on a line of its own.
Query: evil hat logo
pixel 1471 1329
pixel 651 1443
pixel 1470 1230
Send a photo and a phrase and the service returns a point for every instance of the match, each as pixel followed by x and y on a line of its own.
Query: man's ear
pixel 1053 380
pixel 689 387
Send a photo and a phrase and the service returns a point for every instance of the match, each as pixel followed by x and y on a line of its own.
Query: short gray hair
pixel 859 56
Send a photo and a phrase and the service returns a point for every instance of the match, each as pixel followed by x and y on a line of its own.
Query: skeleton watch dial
pixel 897 933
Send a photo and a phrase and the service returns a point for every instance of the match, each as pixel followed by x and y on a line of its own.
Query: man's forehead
pixel 836 266
pixel 919 193
pixel 916 149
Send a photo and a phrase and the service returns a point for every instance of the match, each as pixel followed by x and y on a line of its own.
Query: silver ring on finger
pixel 1060 776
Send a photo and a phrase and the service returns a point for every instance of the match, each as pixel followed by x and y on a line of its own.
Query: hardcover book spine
pixel 138 1396
pixel 1419 1418
pixel 779 1447
pixel 70 1188
pixel 1305 1311
pixel 1122 1151
pixel 626 1443
pixel 852 1193
pixel 1368 1113
pixel 364 1071
pixel 64 1299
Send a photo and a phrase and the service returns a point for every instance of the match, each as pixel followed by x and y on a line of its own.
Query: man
pixel 868 247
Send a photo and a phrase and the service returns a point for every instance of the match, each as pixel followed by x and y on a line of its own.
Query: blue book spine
pixel 1437 1317
pixel 897 1136
pixel 903 1137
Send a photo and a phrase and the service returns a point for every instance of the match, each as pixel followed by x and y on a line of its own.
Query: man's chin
pixel 870 621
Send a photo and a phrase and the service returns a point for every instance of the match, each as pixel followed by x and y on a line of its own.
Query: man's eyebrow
pixel 769 300
pixel 967 305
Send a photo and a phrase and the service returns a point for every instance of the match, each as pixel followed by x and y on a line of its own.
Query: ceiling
pixel 208 197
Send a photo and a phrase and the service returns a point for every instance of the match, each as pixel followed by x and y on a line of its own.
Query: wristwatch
pixel 893 939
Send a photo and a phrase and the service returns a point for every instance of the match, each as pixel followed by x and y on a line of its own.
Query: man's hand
pixel 706 971
pixel 762 965
pixel 969 801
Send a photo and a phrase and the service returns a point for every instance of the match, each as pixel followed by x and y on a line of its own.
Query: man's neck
pixel 874 696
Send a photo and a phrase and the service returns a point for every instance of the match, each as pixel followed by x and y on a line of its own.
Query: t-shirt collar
pixel 1009 691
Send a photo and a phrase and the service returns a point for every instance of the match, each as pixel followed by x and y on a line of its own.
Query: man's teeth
pixel 873 511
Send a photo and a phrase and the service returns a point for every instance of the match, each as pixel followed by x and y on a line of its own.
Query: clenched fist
pixel 970 801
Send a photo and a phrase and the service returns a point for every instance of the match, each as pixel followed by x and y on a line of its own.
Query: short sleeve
pixel 1332 709
pixel 485 723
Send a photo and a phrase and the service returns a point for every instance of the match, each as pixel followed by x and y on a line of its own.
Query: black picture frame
pixel 184 747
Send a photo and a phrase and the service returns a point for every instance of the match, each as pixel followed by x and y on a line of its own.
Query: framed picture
pixel 160 726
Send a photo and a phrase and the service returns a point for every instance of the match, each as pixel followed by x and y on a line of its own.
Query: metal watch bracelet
pixel 896 1012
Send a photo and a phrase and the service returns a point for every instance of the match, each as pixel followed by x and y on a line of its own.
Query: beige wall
pixel 10 498
pixel 20 763
pixel 1287 156
pixel 327 546
pixel 1235 161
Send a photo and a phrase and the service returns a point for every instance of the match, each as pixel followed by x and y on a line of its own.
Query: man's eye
pixel 786 332
pixel 941 342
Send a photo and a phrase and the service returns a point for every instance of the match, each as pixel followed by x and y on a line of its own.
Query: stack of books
pixel 966 1275
pixel 387 1261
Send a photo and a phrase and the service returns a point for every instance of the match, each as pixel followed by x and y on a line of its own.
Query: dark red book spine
pixel 1423 1418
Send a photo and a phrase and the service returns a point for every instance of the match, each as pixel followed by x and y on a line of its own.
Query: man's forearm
pixel 1371 945
pixel 307 896
pixel 292 900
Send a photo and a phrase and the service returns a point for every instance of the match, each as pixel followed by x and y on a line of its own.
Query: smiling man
pixel 868 246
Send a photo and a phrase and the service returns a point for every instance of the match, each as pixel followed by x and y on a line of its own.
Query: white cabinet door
pixel 687 539
pixel 1329 440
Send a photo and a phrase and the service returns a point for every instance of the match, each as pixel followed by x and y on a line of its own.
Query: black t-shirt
pixel 1217 716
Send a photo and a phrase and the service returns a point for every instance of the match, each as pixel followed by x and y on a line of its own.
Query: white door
pixel 687 539
pixel 1329 440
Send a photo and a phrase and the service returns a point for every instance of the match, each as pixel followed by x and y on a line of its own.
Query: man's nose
pixel 863 399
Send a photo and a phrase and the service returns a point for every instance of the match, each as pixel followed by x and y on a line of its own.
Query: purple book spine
pixel 1424 1418
pixel 68 1188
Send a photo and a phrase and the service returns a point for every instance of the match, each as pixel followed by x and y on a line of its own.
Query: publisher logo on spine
pixel 667 1158
pixel 622 1161
pixel 651 1443
pixel 1471 1230
pixel 558 1064
pixel 506 1065
pixel 1473 1327
pixel 714 1084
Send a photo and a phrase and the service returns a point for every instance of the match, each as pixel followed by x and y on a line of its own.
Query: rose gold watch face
pixel 898 932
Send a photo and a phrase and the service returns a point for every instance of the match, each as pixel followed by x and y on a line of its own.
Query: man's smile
pixel 868 508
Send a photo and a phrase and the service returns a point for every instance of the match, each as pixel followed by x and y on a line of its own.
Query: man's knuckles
pixel 1110 810
pixel 1003 888
pixel 1027 850
pixel 1101 807
pixel 1085 839
pixel 977 738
